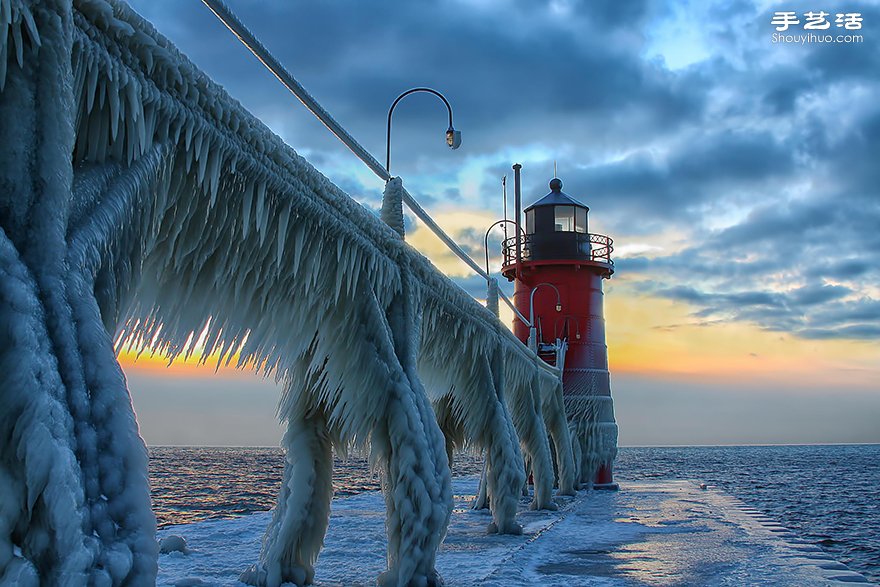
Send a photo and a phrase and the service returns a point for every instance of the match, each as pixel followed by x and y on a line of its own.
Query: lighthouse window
pixel 530 222
pixel 564 218
pixel 580 220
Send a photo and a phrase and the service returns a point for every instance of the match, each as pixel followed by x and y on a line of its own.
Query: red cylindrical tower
pixel 557 252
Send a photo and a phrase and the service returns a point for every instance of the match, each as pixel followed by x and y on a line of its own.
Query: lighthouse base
pixel 606 486
pixel 604 479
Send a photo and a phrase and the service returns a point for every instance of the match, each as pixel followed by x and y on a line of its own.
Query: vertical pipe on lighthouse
pixel 517 204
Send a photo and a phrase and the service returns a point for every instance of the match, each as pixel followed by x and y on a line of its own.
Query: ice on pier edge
pixel 179 213
pixel 654 533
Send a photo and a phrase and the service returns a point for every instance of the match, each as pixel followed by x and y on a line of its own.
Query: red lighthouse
pixel 557 252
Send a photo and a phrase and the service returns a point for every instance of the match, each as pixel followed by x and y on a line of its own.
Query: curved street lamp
pixel 486 238
pixel 453 137
pixel 533 343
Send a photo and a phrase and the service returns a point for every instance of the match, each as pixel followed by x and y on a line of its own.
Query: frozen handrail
pixel 422 215
pixel 237 28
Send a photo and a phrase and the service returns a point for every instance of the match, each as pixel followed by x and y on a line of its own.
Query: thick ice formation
pixel 593 433
pixel 140 202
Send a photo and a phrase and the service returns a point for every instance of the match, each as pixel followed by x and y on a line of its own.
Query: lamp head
pixel 453 138
pixel 558 307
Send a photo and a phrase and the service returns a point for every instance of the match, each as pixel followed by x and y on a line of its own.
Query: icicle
pixel 189 155
pixel 3 62
pixel 150 119
pixel 33 33
pixel 283 218
pixel 102 88
pixel 92 88
pixel 114 111
pixel 5 19
pixel 297 248
pixel 202 156
pixel 134 101
pixel 141 144
pixel 261 208
pixel 214 174
pixel 174 126
pixel 338 286
pixel 246 203
pixel 147 56
pixel 19 46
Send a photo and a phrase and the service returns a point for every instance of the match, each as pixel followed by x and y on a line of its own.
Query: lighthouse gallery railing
pixel 575 245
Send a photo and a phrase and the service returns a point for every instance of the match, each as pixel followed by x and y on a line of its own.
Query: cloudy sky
pixel 738 176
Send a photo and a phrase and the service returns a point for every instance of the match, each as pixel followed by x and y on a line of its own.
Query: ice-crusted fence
pixel 140 201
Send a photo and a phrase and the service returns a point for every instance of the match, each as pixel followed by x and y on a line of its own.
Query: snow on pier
pixel 649 533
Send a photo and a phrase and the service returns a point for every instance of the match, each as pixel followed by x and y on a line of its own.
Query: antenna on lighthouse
pixel 504 196
pixel 554 169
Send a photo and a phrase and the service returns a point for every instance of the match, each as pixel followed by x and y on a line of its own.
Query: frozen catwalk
pixel 649 533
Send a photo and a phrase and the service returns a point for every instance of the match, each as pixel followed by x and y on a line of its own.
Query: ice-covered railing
pixel 140 200
pixel 234 24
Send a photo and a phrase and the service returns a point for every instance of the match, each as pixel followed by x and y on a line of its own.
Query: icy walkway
pixel 653 533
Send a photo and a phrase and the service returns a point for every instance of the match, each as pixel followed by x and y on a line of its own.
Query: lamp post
pixel 453 137
pixel 486 238
pixel 533 343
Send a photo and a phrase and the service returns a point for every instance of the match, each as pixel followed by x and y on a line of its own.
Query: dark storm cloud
pixel 512 73
pixel 655 189
pixel 838 62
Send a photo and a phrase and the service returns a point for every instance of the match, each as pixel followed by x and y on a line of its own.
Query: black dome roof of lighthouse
pixel 556 197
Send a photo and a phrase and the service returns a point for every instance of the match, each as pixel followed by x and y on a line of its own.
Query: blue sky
pixel 738 176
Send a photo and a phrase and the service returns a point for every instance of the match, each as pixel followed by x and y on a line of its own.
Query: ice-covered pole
pixel 392 206
pixel 492 296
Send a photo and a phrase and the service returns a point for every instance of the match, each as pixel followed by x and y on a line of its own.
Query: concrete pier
pixel 648 533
